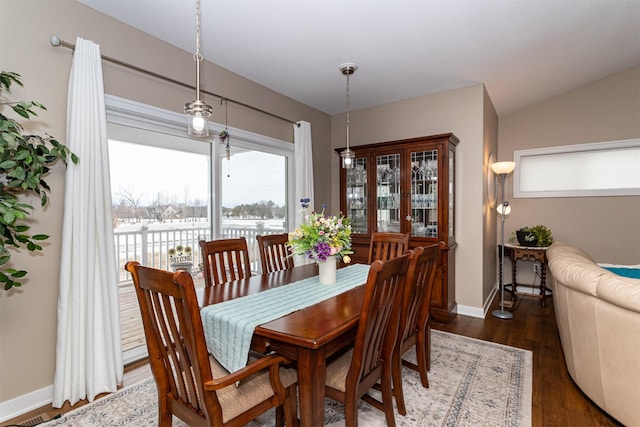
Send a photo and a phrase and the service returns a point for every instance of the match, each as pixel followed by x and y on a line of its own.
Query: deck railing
pixel 150 246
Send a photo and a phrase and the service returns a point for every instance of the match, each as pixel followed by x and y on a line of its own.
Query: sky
pixel 144 171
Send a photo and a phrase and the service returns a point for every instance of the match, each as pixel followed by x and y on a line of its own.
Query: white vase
pixel 327 271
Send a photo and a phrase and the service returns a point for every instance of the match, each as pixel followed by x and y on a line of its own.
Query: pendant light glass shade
pixel 197 111
pixel 348 158
pixel 197 114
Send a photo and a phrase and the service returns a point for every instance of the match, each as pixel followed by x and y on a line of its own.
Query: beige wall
pixel 459 111
pixel 608 228
pixel 28 315
pixel 489 217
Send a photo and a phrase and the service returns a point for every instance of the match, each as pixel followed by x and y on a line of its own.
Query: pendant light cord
pixel 347 106
pixel 197 56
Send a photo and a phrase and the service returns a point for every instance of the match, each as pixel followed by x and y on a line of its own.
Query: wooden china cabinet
pixel 406 186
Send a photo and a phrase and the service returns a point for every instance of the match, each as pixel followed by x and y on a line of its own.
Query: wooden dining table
pixel 307 336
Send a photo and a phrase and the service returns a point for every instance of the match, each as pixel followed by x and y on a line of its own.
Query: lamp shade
pixel 500 168
pixel 504 207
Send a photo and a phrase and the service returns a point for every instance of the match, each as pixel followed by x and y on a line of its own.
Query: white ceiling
pixel 524 51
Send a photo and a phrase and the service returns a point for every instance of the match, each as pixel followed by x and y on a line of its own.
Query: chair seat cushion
pixel 251 391
pixel 337 371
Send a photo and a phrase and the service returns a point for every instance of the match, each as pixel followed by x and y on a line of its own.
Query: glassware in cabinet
pixel 388 191
pixel 424 193
pixel 357 196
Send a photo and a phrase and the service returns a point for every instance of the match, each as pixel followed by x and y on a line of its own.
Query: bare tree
pixel 130 198
pixel 185 203
pixel 199 209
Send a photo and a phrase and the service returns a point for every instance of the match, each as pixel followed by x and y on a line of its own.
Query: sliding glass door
pixel 253 196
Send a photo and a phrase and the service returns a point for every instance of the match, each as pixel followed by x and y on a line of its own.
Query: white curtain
pixel 88 349
pixel 304 166
pixel 304 174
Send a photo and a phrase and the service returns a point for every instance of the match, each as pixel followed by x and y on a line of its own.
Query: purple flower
pixel 323 251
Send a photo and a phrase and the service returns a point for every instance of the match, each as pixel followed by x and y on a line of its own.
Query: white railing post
pixel 144 233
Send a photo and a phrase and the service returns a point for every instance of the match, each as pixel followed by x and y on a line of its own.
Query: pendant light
pixel 347 155
pixel 197 111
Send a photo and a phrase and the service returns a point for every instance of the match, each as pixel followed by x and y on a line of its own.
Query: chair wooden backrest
pixel 225 260
pixel 383 292
pixel 415 313
pixel 275 254
pixel 416 303
pixel 375 340
pixel 384 246
pixel 180 363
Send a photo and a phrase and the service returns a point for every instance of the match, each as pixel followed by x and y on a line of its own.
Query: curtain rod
pixel 56 41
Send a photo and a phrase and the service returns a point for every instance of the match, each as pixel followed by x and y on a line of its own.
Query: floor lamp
pixel 502 169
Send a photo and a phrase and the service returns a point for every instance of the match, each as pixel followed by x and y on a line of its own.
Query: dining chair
pixel 351 375
pixel 414 327
pixel 275 254
pixel 225 260
pixel 191 384
pixel 387 245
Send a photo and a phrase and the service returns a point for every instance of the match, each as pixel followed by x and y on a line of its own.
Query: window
pixel 599 169
pixel 169 189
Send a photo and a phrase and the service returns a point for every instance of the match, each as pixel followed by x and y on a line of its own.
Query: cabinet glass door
pixel 356 192
pixel 424 193
pixel 452 194
pixel 388 192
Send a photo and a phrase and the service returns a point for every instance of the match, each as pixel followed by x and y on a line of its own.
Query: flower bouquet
pixel 322 236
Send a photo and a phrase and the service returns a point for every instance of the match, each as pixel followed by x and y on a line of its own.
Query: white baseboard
pixel 25 403
pixel 467 310
pixel 489 300
pixel 480 313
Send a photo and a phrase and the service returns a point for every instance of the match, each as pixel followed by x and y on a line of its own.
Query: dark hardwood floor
pixel 557 401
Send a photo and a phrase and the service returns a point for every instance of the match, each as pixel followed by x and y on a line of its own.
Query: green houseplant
pixel 24 163
pixel 537 235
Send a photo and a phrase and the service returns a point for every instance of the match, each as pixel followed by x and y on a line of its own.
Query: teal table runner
pixel 229 325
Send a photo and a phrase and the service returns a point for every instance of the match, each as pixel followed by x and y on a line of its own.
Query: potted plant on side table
pixel 537 235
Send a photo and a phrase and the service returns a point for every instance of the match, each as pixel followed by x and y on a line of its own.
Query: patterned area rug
pixel 472 383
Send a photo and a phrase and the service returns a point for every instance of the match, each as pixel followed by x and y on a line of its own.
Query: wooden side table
pixel 527 253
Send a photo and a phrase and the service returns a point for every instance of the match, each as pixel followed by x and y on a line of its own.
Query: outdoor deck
pixel 130 319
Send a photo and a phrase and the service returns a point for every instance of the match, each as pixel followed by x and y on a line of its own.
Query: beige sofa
pixel 598 316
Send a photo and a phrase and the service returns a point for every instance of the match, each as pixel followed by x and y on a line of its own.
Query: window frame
pixel 522 156
pixel 134 114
